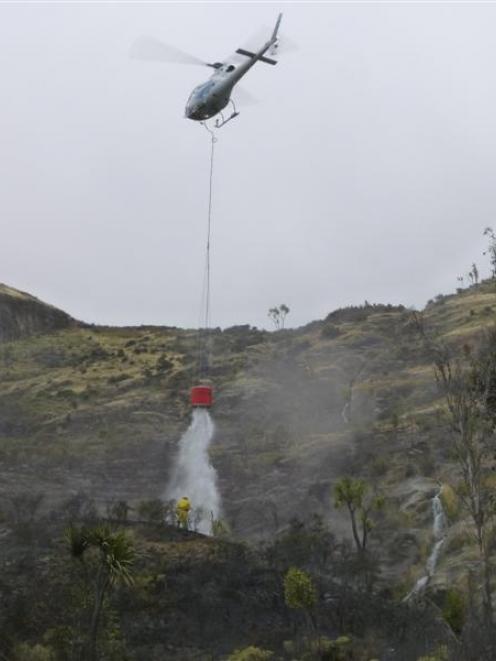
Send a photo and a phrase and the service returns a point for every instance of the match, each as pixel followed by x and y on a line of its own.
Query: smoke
pixel 193 475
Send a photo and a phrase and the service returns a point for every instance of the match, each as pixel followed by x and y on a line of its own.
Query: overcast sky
pixel 366 170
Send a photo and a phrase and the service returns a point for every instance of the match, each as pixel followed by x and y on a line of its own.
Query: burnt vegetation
pixel 79 586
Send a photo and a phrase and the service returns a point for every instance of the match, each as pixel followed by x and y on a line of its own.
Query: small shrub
pixel 379 466
pixel 24 508
pixel 119 511
pixel 164 364
pixel 333 650
pixel 322 647
pixel 251 654
pixel 117 378
pixel 454 609
pixel 79 507
pixel 152 511
pixel 147 373
pixel 450 501
pixel 441 654
pixel 395 420
pixel 427 465
pixel 410 470
pixel 299 590
pixel 220 529
pixel 25 652
pixel 457 542
pixel 330 331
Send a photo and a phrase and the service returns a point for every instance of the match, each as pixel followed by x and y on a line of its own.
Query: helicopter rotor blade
pixel 244 98
pixel 153 50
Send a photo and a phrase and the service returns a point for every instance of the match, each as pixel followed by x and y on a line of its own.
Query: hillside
pixel 99 411
pixel 102 409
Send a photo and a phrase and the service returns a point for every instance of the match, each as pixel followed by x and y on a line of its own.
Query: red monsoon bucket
pixel 202 396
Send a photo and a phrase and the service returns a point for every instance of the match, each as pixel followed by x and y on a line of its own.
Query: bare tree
pixel 473 274
pixel 467 382
pixel 275 316
pixel 467 389
pixel 353 493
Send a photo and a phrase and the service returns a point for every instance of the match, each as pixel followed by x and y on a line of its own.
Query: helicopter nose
pixel 192 110
pixel 196 111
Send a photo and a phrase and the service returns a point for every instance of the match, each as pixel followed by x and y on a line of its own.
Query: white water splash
pixel 438 532
pixel 193 475
pixel 439 517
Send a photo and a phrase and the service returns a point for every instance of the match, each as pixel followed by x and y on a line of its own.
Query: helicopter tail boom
pixel 276 29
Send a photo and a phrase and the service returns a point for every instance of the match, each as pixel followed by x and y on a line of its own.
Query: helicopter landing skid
pixel 219 124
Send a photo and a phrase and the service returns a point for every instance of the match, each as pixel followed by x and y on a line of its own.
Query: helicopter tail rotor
pixel 282 44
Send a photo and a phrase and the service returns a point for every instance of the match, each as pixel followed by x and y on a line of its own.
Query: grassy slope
pixel 102 409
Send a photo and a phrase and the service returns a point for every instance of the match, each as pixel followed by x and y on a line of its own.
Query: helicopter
pixel 211 97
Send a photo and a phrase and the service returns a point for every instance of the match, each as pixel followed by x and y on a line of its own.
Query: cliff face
pixel 22 315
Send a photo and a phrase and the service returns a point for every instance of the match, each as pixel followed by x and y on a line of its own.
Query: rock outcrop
pixel 22 315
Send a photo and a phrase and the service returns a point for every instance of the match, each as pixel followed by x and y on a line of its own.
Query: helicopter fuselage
pixel 212 96
pixel 209 98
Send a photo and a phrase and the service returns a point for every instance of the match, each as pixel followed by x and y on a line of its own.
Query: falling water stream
pixel 438 533
pixel 193 474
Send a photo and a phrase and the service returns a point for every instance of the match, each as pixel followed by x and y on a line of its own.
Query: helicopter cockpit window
pixel 231 67
pixel 192 97
pixel 200 93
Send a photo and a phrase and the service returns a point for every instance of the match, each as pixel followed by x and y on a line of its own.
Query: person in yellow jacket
pixel 183 507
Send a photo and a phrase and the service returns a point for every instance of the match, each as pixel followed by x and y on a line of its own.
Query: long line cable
pixel 213 140
pixel 204 321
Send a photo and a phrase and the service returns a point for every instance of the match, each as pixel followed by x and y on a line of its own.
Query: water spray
pixel 193 474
